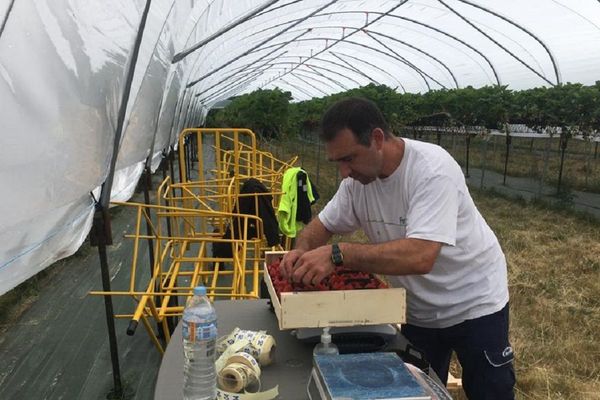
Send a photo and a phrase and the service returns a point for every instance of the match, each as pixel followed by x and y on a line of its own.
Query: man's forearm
pixel 397 257
pixel 312 236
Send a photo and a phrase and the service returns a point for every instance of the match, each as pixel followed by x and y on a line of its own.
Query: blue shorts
pixel 482 348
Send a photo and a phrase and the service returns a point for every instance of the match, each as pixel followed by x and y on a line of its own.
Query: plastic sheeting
pixel 314 48
pixel 63 66
pixel 62 69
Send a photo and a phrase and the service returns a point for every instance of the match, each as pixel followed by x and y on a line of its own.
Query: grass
pixel 554 281
pixel 553 257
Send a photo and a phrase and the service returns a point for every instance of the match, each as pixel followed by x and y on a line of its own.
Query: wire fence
pixel 548 166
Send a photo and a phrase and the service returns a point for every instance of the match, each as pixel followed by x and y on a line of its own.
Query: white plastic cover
pixel 64 63
pixel 314 48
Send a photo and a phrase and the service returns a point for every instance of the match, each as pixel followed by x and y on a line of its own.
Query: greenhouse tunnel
pixel 93 93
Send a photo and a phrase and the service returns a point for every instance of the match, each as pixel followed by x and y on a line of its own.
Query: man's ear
pixel 378 137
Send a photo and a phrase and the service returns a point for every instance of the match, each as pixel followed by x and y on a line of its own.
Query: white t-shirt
pixel 426 197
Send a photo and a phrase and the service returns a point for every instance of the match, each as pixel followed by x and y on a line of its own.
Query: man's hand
pixel 313 266
pixel 286 268
pixel 312 236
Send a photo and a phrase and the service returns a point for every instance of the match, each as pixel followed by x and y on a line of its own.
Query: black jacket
pixel 247 205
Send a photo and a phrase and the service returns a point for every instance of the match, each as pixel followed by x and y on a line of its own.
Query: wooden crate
pixel 337 307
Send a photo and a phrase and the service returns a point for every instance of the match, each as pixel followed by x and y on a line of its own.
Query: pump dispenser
pixel 326 346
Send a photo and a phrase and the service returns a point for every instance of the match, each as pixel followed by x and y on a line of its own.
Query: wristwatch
pixel 337 258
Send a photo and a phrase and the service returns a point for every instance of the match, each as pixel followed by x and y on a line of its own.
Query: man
pixel 426 235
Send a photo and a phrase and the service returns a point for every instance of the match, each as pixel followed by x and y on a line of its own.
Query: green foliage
pixel 264 111
pixel 574 108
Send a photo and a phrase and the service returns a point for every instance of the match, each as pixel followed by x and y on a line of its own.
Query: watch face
pixel 336 255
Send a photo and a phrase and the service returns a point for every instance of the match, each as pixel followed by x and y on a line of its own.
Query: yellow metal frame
pixel 236 156
pixel 240 143
pixel 183 262
pixel 191 217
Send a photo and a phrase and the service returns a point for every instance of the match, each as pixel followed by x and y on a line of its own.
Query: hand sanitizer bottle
pixel 326 346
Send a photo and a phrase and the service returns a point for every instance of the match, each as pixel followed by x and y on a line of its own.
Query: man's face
pixel 355 160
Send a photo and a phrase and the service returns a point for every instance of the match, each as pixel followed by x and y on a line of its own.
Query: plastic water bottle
pixel 326 346
pixel 199 331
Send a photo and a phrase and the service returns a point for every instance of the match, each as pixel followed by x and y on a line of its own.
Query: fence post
pixel 468 142
pixel 563 148
pixel 483 163
pixel 454 143
pixel 588 166
pixel 545 168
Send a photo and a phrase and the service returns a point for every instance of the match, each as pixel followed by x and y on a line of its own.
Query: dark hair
pixel 358 114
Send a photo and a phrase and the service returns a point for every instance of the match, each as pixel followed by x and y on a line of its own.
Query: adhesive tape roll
pixel 250 335
pixel 265 344
pixel 235 377
pixel 258 344
pixel 252 350
pixel 227 341
pixel 246 359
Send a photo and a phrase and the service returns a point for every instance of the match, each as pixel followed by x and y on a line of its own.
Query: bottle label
pixel 197 331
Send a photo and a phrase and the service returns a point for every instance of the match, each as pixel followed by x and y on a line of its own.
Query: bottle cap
pixel 325 336
pixel 199 291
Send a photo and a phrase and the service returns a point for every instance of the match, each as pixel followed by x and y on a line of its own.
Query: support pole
pixel 166 170
pixel 6 15
pixel 171 164
pixel 147 189
pixel 563 148
pixel 173 300
pixel 188 157
pixel 101 234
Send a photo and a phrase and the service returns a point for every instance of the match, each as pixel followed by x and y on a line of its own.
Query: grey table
pixel 293 358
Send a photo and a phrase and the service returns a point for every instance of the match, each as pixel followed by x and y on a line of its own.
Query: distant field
pixel 554 281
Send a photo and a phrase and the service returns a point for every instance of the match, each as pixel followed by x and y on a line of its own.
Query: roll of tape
pixel 252 350
pixel 250 335
pixel 235 377
pixel 238 366
pixel 246 359
pixel 227 341
pixel 265 344
pixel 258 344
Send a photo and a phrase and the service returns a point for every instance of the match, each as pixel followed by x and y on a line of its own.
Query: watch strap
pixel 337 257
